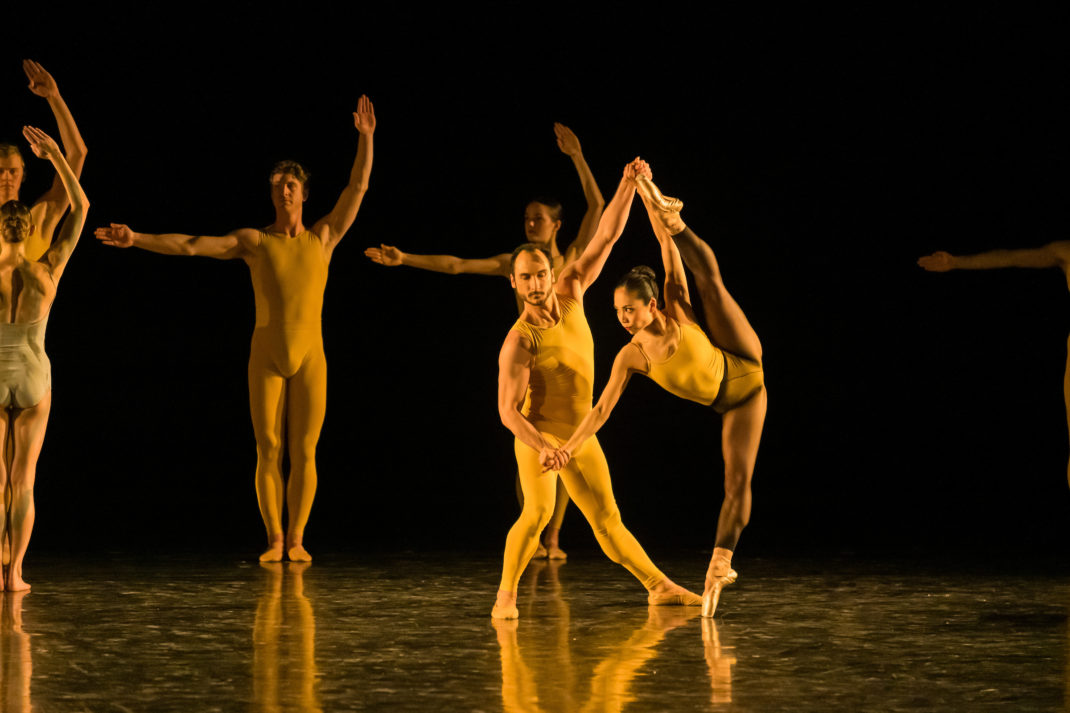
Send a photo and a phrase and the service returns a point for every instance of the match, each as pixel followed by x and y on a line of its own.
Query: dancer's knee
pixel 268 449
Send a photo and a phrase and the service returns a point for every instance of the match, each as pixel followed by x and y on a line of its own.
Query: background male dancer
pixel 1055 254
pixel 287 368
pixel 49 208
pixel 27 291
pixel 542 221
pixel 545 386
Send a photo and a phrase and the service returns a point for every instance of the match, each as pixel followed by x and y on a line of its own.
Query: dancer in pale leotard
pixel 669 347
pixel 1055 254
pixel 545 384
pixel 27 291
pixel 542 221
pixel 287 368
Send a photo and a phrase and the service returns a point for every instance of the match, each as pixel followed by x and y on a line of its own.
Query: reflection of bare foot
pixel 668 618
pixel 712 593
pixel 668 593
pixel 274 551
pixel 505 606
pixel 297 553
pixel 666 210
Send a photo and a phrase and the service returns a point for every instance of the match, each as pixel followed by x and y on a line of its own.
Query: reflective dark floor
pixel 411 632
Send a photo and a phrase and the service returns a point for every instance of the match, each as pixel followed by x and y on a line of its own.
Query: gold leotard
pixel 287 370
pixel 699 371
pixel 560 391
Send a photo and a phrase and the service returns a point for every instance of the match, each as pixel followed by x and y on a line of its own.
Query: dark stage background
pixel 820 155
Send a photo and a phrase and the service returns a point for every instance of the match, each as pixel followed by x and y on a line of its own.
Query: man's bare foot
pixel 297 553
pixel 668 593
pixel 665 209
pixel 711 595
pixel 541 553
pixel 549 545
pixel 274 551
pixel 505 606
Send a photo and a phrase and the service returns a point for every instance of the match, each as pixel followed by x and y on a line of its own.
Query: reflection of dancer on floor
pixel 27 291
pixel 671 348
pixel 16 656
pixel 545 380
pixel 542 221
pixel 285 675
pixel 1055 254
pixel 287 368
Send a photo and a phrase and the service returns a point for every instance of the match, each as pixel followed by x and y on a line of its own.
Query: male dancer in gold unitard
pixel 545 387
pixel 1055 254
pixel 287 369
pixel 542 222
pixel 27 291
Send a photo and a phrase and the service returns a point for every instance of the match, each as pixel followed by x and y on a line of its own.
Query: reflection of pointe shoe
pixel 541 553
pixel 679 598
pixel 652 196
pixel 713 592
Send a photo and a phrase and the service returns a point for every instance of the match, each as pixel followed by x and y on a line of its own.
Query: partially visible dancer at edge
pixel 542 222
pixel 27 292
pixel 720 368
pixel 545 386
pixel 287 368
pixel 49 208
pixel 1055 254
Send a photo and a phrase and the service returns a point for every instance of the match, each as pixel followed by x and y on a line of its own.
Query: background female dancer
pixel 669 347
pixel 1055 254
pixel 287 368
pixel 27 291
pixel 542 221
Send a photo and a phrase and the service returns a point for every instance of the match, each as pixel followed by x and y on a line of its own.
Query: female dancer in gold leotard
pixel 670 347
pixel 27 292
pixel 287 369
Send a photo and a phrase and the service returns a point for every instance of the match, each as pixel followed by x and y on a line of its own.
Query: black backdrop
pixel 821 154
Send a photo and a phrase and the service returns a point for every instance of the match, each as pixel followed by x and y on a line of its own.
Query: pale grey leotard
pixel 25 371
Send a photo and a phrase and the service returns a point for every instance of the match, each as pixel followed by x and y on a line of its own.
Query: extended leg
pixel 267 403
pixel 728 326
pixel 28 430
pixel 539 493
pixel 587 479
pixel 740 434
pixel 306 408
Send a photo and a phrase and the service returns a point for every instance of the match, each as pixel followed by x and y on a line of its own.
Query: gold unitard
pixel 287 372
pixel 559 395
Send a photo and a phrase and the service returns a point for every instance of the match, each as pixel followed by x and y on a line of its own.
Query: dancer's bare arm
pixel 578 276
pixel 1055 254
pixel 237 244
pixel 629 361
pixel 57 255
pixel 340 219
pixel 54 201
pixel 392 257
pixel 514 371
pixel 570 146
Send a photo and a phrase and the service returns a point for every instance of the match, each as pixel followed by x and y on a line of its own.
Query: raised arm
pixel 578 276
pixel 570 146
pixel 55 199
pixel 514 370
pixel 341 217
pixel 629 360
pixel 1055 254
pixel 239 243
pixel 44 147
pixel 392 257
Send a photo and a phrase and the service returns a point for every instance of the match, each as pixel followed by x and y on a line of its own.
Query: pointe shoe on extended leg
pixel 714 585
pixel 660 202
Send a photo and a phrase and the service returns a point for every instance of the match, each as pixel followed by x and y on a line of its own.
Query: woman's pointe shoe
pixel 713 593
pixel 650 193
